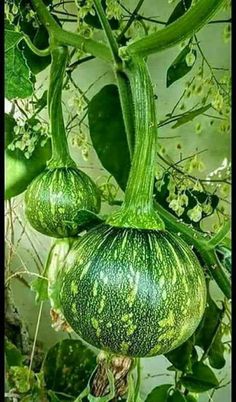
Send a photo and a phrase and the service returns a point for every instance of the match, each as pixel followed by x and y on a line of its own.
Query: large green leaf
pixel 68 366
pixel 209 334
pixel 9 124
pixel 17 78
pixel 179 68
pixel 159 393
pixel 176 396
pixel 183 357
pixel 179 10
pixel 201 380
pixel 107 133
pixel 13 355
pixel 11 37
pixel 189 116
pixel 40 287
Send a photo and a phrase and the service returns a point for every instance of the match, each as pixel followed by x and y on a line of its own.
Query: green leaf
pixel 176 396
pixel 201 380
pixel 107 133
pixel 209 334
pixel 67 367
pixel 20 378
pixel 183 356
pixel 13 355
pixel 179 67
pixel 179 10
pixel 159 393
pixel 11 37
pixel 189 116
pixel 9 124
pixel 18 83
pixel 20 171
pixel 40 286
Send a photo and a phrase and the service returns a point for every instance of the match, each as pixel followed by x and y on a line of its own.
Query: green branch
pixel 216 271
pixel 219 236
pixel 179 30
pixel 39 52
pixel 108 31
pixel 66 38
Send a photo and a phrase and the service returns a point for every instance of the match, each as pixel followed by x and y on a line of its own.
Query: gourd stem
pixel 60 150
pixel 108 31
pixel 137 209
pixel 193 20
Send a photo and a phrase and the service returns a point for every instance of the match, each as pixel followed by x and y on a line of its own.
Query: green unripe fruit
pixel 132 292
pixel 60 200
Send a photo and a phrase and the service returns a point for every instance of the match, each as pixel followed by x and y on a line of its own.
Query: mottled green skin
pixel 60 200
pixel 132 292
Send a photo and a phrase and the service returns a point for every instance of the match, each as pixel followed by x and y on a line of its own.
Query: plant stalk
pixel 137 210
pixel 60 151
pixel 185 27
pixel 66 38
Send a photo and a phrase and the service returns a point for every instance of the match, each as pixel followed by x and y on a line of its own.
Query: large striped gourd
pixel 129 286
pixel 62 199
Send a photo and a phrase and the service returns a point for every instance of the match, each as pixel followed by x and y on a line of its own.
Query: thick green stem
pixel 66 38
pixel 214 266
pixel 60 150
pixel 137 210
pixel 219 236
pixel 108 31
pixel 186 26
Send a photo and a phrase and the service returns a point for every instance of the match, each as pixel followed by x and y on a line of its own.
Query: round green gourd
pixel 59 200
pixel 132 292
pixel 62 199
pixel 129 286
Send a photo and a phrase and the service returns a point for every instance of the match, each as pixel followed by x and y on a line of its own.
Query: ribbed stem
pixel 137 209
pixel 60 150
pixel 184 27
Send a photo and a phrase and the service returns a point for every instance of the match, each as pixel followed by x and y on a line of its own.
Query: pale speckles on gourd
pixel 95 288
pixel 174 276
pixel 74 309
pixel 154 351
pixel 134 289
pixel 101 304
pixel 95 324
pixel 168 321
pixel 74 288
pixel 124 346
pixel 123 244
pixel 127 323
pixel 85 270
pixel 164 294
pixel 161 281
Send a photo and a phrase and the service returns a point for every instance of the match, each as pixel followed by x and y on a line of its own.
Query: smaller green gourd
pixel 62 199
